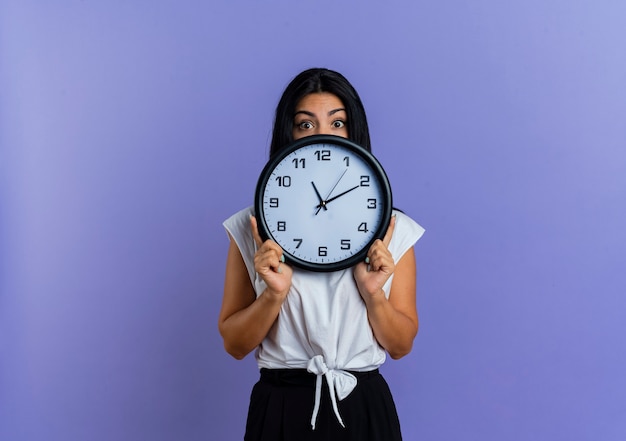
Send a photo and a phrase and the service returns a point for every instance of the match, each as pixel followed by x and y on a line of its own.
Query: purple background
pixel 130 129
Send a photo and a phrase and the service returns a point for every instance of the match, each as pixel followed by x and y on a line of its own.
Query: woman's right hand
pixel 269 264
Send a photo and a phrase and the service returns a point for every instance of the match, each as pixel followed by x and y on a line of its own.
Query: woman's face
pixel 320 114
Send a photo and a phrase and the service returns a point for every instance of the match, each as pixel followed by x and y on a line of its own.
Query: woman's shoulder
pixel 406 233
pixel 239 221
pixel 238 228
pixel 407 225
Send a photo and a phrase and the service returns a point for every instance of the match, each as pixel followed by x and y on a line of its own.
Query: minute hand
pixel 337 196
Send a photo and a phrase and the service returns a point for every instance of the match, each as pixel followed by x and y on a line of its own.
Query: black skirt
pixel 281 406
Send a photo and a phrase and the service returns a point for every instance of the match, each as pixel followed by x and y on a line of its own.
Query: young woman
pixel 320 337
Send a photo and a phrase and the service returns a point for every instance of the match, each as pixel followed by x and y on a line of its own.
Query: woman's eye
pixel 339 124
pixel 305 125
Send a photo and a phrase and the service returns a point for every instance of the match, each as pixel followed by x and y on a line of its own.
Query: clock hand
pixel 319 196
pixel 331 190
pixel 324 203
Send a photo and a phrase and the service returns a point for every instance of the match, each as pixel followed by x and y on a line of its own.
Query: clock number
pixel 365 181
pixel 371 203
pixel 273 202
pixel 322 155
pixel 347 160
pixel 282 226
pixel 284 181
pixel 299 241
pixel 345 244
pixel 363 227
pixel 322 251
pixel 299 162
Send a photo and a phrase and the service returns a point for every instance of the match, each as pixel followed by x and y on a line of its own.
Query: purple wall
pixel 503 131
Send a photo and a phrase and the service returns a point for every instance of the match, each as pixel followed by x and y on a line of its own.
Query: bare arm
pixel 245 319
pixel 393 320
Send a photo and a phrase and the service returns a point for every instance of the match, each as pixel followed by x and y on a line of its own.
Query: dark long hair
pixel 314 81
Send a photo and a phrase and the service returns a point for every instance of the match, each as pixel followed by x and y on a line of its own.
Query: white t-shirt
pixel 323 313
pixel 322 325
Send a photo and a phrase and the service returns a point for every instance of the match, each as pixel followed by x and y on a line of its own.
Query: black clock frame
pixel 377 168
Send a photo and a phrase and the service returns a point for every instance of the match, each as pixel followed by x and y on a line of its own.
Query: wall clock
pixel 324 199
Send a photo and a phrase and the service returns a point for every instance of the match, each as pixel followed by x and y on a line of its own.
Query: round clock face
pixel 324 200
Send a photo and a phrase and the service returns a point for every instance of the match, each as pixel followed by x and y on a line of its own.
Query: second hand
pixel 323 203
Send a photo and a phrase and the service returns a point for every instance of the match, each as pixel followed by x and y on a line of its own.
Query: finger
pixel 379 256
pixel 255 232
pixel 267 260
pixel 375 262
pixel 389 233
pixel 272 253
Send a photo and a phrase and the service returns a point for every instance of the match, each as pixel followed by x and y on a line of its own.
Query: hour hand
pixel 319 196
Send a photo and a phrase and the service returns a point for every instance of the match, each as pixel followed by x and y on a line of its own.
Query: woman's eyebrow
pixel 332 112
pixel 306 112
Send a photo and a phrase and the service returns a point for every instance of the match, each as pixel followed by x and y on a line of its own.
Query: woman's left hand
pixel 371 275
